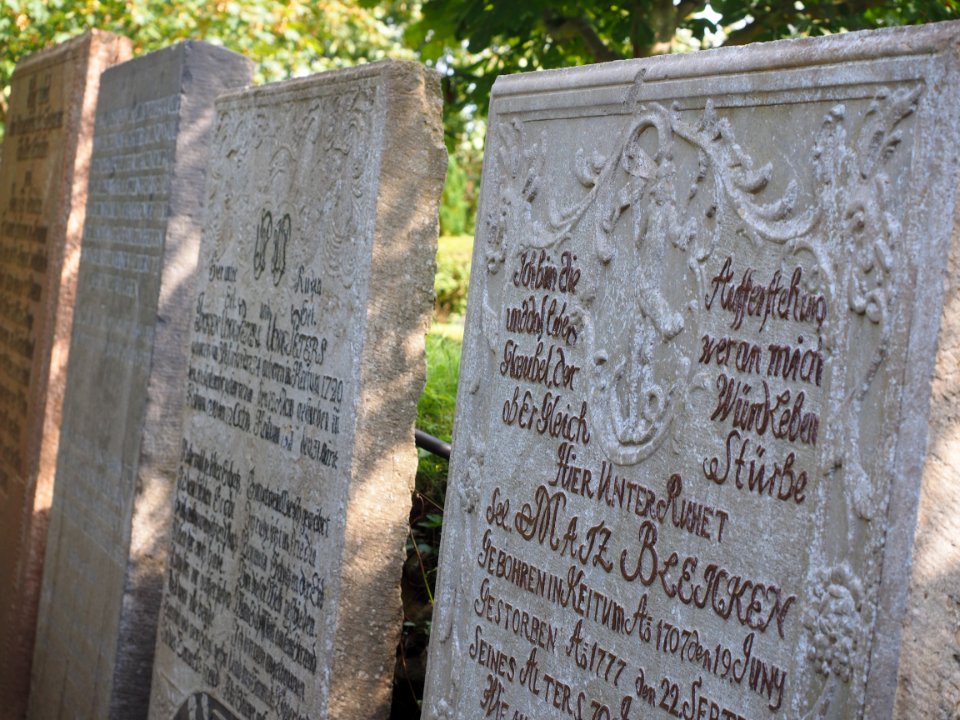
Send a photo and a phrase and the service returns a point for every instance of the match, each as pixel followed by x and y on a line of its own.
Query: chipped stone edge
pixel 918 626
pixel 399 303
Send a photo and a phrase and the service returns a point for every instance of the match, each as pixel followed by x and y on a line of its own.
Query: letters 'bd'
pixel 711 295
pixel 297 460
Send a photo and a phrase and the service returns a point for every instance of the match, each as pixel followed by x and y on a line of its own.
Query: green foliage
pixel 477 40
pixel 455 216
pixel 287 39
pixel 435 407
pixel 453 276
pixel 435 410
pixel 470 42
pixel 435 413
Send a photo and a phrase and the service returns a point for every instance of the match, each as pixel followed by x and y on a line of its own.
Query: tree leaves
pixel 470 42
pixel 286 39
pixel 480 38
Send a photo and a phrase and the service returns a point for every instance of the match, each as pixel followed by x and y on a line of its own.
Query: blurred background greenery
pixel 470 42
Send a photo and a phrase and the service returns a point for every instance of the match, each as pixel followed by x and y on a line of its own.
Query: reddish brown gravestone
pixel 43 189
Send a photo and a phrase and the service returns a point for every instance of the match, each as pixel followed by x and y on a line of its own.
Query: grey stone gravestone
pixel 306 361
pixel 119 439
pixel 43 188
pixel 695 416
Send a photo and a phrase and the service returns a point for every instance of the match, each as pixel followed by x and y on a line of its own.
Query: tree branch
pixel 749 33
pixel 565 28
pixel 662 18
pixel 775 17
pixel 686 8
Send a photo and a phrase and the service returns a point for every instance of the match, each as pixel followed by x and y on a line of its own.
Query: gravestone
pixel 119 438
pixel 297 459
pixel 43 187
pixel 692 426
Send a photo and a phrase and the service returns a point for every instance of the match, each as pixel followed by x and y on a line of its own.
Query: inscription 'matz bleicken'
pixel 541 352
pixel 720 277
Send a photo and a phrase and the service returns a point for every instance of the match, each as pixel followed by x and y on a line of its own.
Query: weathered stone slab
pixel 692 427
pixel 119 439
pixel 43 188
pixel 306 361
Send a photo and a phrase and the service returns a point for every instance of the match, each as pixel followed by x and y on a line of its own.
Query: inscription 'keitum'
pixel 550 520
pixel 657 419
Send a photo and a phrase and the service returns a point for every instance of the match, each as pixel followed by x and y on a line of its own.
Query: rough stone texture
pixel 43 189
pixel 297 459
pixel 692 428
pixel 119 439
pixel 929 678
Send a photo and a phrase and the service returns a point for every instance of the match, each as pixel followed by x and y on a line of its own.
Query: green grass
pixel 453 276
pixel 456 246
pixel 435 410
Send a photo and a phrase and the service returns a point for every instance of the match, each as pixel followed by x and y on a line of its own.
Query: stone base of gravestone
pixel 306 362
pixel 710 373
pixel 119 438
pixel 43 188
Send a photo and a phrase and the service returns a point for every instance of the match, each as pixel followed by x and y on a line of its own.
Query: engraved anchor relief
pixel 635 396
pixel 656 208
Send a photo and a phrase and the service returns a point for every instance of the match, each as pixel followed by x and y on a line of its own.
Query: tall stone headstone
pixel 306 361
pixel 692 426
pixel 119 437
pixel 43 188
